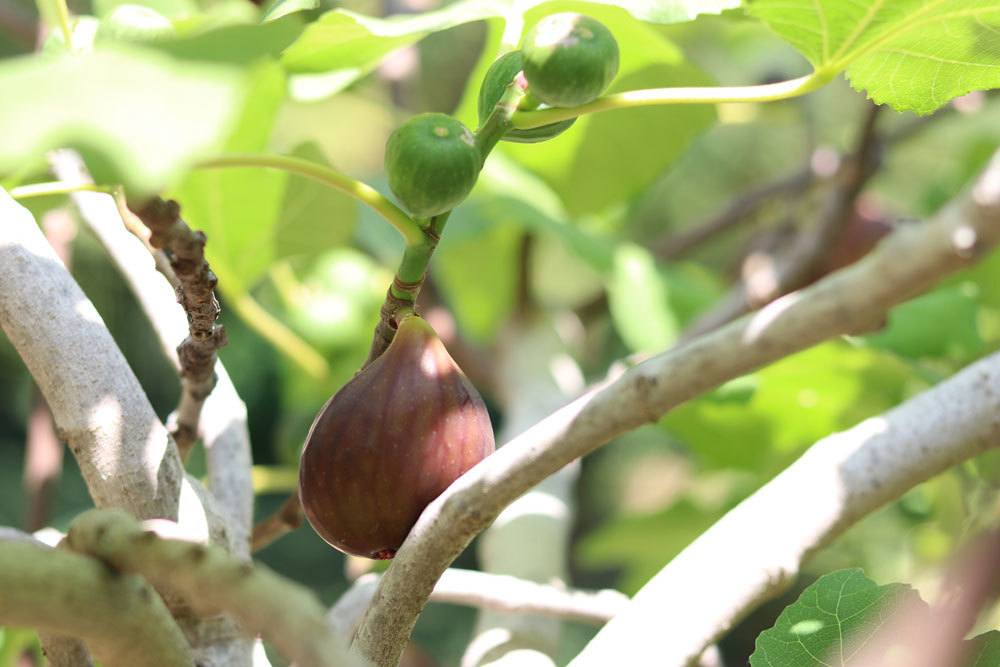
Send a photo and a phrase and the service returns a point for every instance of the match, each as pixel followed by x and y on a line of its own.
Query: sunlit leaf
pixel 137 117
pixel 831 621
pixel 348 45
pixel 912 54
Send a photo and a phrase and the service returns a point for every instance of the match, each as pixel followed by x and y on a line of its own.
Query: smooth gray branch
pixel 498 592
pixel 705 590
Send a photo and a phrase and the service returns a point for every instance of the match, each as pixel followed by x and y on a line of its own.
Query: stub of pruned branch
pixel 196 293
pixel 856 299
pixel 223 421
pixel 125 453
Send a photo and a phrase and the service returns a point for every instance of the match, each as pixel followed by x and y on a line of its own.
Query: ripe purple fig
pixel 389 442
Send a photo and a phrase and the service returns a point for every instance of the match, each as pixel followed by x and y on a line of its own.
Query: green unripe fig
pixel 498 77
pixel 432 163
pixel 389 442
pixel 569 59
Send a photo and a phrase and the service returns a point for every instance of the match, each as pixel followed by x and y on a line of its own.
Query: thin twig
pixel 848 301
pixel 739 210
pixel 196 293
pixel 284 520
pixel 225 436
pixel 484 590
pixel 794 268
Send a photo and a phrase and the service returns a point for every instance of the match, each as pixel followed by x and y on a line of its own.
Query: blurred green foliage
pixel 569 227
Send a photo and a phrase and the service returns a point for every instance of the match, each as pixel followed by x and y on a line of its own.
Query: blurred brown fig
pixel 389 442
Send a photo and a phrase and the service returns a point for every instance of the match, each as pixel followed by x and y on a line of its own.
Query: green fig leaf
pixel 137 117
pixel 830 622
pixel 911 54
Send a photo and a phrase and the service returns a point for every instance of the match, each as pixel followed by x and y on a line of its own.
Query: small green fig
pixel 498 77
pixel 432 163
pixel 569 59
pixel 389 442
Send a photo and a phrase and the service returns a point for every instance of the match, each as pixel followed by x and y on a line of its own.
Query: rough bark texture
pixel 196 293
pixel 854 300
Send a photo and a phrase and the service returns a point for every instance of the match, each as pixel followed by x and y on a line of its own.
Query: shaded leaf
pixel 638 300
pixel 943 323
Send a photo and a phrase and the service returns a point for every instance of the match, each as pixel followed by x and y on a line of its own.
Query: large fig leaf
pixel 838 615
pixel 138 117
pixel 914 55
pixel 830 622
pixel 346 45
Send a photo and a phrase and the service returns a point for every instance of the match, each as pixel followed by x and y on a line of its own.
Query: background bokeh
pixel 568 229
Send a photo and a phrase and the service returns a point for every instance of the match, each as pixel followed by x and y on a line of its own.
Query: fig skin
pixel 432 163
pixel 389 442
pixel 569 59
pixel 500 74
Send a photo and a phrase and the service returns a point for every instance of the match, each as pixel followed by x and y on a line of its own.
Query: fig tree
pixel 432 163
pixel 569 59
pixel 389 442
pixel 498 77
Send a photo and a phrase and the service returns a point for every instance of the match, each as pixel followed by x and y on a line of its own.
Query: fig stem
pixel 405 288
pixel 499 120
pixel 769 92
pixel 366 194
pixel 402 294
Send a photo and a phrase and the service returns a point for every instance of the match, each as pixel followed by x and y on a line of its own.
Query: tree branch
pixel 284 520
pixel 225 436
pixel 794 268
pixel 125 454
pixel 122 620
pixel 211 580
pixel 908 262
pixel 196 294
pixel 498 592
pixel 835 483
